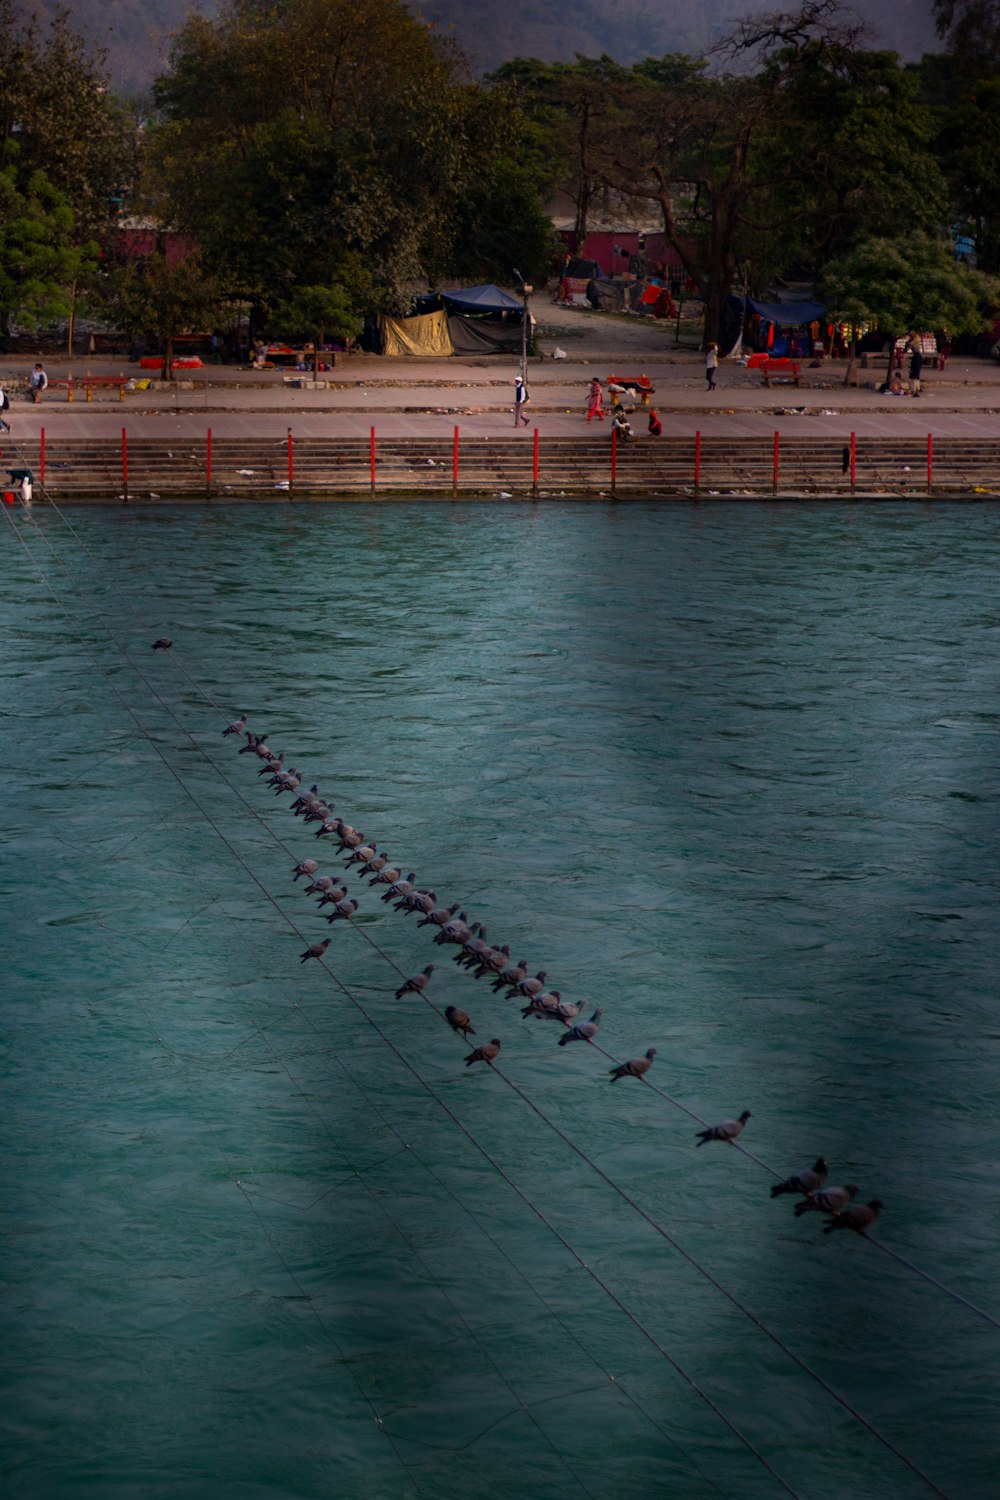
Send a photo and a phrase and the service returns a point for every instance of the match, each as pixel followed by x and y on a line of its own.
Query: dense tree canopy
pixel 298 132
pixel 67 154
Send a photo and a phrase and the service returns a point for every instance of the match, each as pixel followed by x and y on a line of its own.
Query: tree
pixel 972 31
pixel 294 132
pixel 912 284
pixel 319 312
pixel 57 116
pixel 41 259
pixel 689 142
pixel 151 297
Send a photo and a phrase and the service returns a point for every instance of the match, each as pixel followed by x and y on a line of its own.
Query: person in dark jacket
pixel 916 363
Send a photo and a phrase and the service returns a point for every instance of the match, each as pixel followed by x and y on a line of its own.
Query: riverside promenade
pixel 422 402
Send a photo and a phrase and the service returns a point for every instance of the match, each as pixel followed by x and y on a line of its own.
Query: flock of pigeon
pixel 495 964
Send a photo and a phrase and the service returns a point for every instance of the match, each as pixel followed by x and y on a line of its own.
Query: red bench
pixel 640 386
pixel 784 371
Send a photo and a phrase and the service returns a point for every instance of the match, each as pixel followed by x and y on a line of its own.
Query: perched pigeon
pixel 511 976
pixel 529 988
pixel 459 1020
pixel 238 726
pixel 583 1031
pixel 805 1183
pixel 438 917
pixel 162 643
pixel 859 1219
pixel 385 876
pixel 831 1200
pixel 305 867
pixel 332 895
pixel 486 1053
pixel 727 1131
pixel 322 883
pixel 400 888
pixel 493 961
pixel 316 951
pixel 636 1067
pixel 416 984
pixel 455 931
pixel 422 901
pixel 374 865
pixel 361 854
pixel 343 910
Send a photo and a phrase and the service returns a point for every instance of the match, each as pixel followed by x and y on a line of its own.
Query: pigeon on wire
pixel 511 976
pixel 486 1053
pixel 472 950
pixel 343 911
pixel 315 951
pixel 422 901
pixel 386 876
pixel 529 988
pixel 305 867
pixel 728 1130
pixel 459 1020
pixel 416 984
pixel 332 895
pixel 438 917
pixel 321 884
pixel 162 643
pixel 400 888
pixel 858 1218
pixel 583 1031
pixel 492 962
pixel 830 1200
pixel 456 931
pixel 803 1183
pixel 636 1067
pixel 238 726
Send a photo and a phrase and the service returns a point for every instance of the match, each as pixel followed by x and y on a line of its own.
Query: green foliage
pixel 157 299
pixel 307 143
pixel 319 312
pixel 914 283
pixel 41 258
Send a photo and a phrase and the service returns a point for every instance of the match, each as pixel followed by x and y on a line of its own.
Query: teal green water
pixel 730 772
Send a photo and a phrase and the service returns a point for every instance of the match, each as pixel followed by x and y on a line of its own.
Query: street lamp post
pixel 526 289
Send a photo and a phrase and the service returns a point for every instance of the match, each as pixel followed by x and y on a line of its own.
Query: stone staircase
pixel 258 469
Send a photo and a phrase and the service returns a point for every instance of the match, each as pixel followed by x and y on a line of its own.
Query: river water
pixel 730 773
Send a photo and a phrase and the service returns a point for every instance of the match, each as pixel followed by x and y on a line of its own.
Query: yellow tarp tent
pixel 427 334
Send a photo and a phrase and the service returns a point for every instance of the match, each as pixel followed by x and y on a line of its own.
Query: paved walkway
pixel 428 398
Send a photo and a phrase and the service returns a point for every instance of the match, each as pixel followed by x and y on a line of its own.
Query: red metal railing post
pixel 534 469
pixel 454 467
pixel 697 462
pixel 208 463
pixel 291 468
pixel 930 462
pixel 124 466
pixel 854 461
pixel 41 457
pixel 373 461
pixel 774 476
pixel 614 458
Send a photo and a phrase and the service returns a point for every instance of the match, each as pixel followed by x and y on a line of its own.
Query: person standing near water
pixel 711 364
pixel 595 398
pixel 521 399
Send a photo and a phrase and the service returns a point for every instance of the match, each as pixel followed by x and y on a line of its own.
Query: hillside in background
pixel 136 33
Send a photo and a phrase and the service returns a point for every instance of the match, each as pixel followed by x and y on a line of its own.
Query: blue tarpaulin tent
pixel 484 299
pixel 788 314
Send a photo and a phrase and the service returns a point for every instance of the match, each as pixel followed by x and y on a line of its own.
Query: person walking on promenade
pixel 521 399
pixel 655 425
pixel 596 401
pixel 711 364
pixel 38 382
pixel 4 406
pixel 916 363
